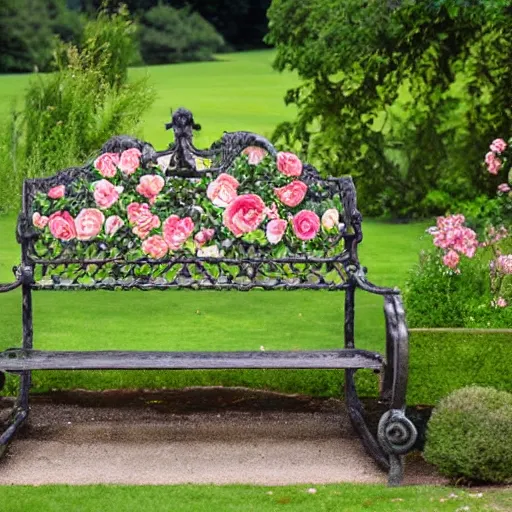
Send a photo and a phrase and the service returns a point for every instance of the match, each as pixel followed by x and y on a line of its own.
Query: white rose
pixel 212 251
pixel 330 218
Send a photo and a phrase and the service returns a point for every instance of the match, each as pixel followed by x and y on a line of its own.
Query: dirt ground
pixel 212 435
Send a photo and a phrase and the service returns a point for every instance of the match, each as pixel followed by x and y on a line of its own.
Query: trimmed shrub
pixel 442 362
pixel 469 435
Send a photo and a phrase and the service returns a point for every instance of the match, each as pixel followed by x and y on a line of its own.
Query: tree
pixel 405 95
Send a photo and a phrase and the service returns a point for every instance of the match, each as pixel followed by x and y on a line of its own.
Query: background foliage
pixel 176 31
pixel 177 35
pixel 69 114
pixel 405 95
pixel 242 23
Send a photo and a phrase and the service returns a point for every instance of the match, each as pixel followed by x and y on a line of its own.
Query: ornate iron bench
pixel 239 215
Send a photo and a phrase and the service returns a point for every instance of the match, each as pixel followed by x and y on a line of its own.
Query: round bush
pixel 469 435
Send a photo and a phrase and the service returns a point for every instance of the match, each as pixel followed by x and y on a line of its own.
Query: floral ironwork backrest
pixel 237 215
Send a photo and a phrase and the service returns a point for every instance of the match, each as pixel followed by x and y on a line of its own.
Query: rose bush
pixel 468 277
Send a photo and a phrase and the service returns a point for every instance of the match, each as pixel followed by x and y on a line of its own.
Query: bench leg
pixel 396 434
pixel 19 412
pixel 356 414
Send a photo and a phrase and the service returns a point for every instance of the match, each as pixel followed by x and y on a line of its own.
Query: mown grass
pixel 239 91
pixel 356 498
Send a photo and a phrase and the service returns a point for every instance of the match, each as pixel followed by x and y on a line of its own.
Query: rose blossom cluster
pixel 127 162
pixel 175 232
pixel 245 213
pixel 450 235
pixel 85 226
pixel 494 163
pixel 492 160
pixel 504 264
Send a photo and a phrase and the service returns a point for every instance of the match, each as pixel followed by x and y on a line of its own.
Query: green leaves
pixel 404 95
pixel 256 237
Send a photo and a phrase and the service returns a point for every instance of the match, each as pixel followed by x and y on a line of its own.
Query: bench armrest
pixel 359 277
pixel 24 275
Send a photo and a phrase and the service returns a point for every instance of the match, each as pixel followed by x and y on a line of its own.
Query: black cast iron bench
pixel 239 216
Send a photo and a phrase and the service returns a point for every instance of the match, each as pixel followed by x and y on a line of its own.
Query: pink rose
pixel 112 224
pixel 222 191
pixel 150 186
pixel 289 164
pixel 275 230
pixel 88 223
pixel 292 194
pixel 142 219
pixel 62 225
pixel 330 218
pixel 306 224
pixel 205 235
pixel 57 192
pixel 272 212
pixel 493 163
pixel 255 154
pixel 105 194
pixel 244 214
pixel 130 161
pixel 39 220
pixel 176 231
pixel 498 145
pixel 504 187
pixel 451 259
pixel 107 164
pixel 155 247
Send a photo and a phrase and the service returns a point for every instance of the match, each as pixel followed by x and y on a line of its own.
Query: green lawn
pixel 239 91
pixel 344 497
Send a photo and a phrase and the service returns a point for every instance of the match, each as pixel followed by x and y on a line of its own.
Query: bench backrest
pixel 238 215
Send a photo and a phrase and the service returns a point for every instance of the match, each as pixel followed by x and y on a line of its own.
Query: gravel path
pixel 196 436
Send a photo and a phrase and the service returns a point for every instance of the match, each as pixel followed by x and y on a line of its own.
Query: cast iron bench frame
pixel 396 434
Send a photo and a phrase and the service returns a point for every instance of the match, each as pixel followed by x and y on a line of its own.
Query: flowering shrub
pixel 454 238
pixel 467 280
pixel 262 207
